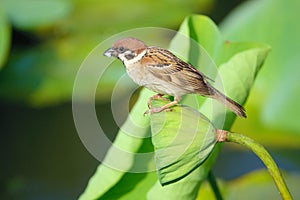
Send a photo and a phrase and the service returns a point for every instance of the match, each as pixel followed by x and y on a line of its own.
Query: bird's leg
pixel 165 107
pixel 157 96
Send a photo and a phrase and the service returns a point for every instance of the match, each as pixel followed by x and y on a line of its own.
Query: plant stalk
pixel 263 154
pixel 214 185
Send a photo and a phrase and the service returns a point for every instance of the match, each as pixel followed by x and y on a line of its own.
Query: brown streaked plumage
pixel 161 71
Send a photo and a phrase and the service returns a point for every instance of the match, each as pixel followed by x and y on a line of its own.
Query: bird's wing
pixel 172 69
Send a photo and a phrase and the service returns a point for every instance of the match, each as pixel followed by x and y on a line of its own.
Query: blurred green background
pixel 43 43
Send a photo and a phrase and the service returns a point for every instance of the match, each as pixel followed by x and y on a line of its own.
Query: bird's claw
pixel 157 96
pixel 157 110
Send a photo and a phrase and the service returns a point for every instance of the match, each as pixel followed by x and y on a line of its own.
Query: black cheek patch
pixel 129 56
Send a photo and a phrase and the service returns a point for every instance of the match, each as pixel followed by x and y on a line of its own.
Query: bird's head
pixel 126 49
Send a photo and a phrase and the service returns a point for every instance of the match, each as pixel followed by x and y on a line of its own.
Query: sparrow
pixel 164 73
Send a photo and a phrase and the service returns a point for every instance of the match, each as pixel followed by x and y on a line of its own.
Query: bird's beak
pixel 111 52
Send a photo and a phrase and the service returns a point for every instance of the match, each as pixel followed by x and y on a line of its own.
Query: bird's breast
pixel 143 78
pixel 137 74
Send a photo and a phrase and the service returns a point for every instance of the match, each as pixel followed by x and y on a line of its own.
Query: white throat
pixel 133 60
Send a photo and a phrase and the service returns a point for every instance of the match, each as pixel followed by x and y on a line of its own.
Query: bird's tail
pixel 229 103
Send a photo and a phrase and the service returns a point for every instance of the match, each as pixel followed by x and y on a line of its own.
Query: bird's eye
pixel 121 49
